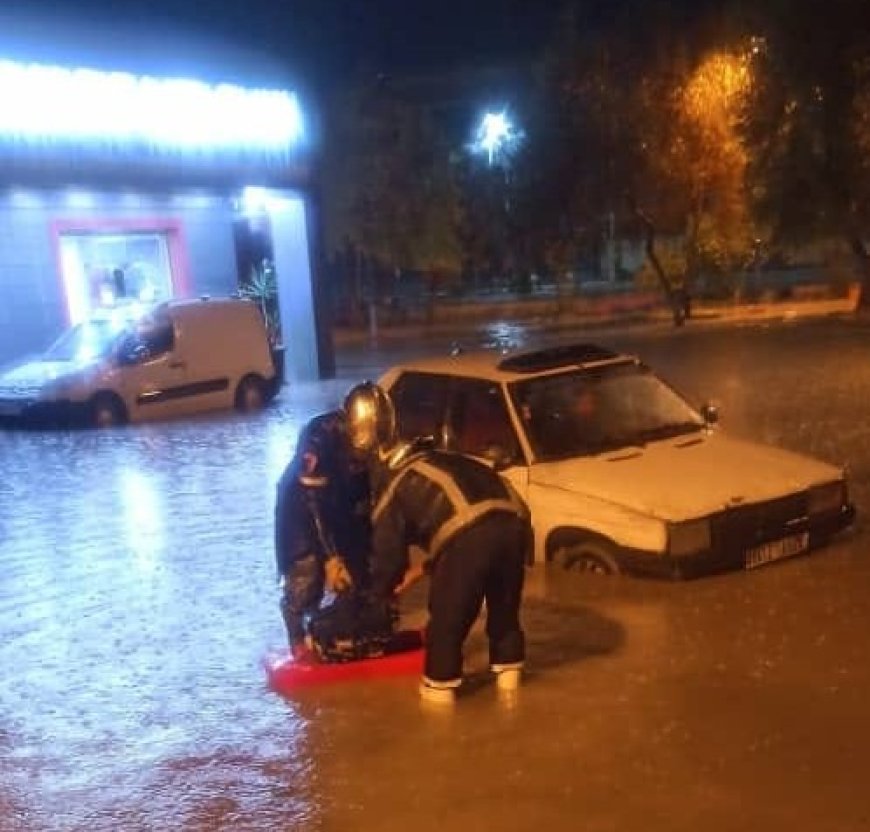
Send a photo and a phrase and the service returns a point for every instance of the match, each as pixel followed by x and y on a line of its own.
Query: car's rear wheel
pixel 251 394
pixel 107 411
pixel 595 557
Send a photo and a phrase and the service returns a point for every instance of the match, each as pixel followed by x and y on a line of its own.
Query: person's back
pixel 473 526
pixel 432 497
pixel 476 533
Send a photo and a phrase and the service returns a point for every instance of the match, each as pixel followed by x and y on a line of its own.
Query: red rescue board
pixel 405 658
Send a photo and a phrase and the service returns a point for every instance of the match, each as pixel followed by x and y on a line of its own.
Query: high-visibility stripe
pixel 385 498
pixel 465 512
pixel 468 516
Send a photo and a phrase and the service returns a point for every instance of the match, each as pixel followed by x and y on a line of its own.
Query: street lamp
pixel 497 137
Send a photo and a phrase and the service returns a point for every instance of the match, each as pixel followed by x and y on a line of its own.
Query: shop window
pixel 114 271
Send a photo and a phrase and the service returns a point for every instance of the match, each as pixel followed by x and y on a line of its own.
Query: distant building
pixel 121 188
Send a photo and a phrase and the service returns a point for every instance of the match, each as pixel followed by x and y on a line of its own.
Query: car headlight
pixel 827 498
pixel 689 538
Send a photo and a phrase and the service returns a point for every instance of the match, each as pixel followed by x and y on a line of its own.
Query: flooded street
pixel 138 597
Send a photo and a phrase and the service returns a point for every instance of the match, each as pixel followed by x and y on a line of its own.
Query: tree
pixel 648 112
pixel 807 125
pixel 389 187
pixel 614 114
pixel 583 151
pixel 705 156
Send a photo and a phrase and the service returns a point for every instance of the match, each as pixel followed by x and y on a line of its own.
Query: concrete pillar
pixel 298 296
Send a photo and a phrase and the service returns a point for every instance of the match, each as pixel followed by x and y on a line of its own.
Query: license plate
pixel 777 550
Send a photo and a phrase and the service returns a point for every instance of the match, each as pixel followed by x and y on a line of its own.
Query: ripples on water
pixel 137 597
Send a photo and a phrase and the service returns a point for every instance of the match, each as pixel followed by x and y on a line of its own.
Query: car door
pixel 420 400
pixel 154 376
pixel 478 424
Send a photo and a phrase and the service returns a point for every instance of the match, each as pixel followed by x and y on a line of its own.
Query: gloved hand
pixel 338 578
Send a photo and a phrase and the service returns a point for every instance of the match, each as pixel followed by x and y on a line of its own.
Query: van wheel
pixel 592 556
pixel 107 411
pixel 251 394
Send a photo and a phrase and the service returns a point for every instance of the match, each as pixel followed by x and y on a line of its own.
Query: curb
pixel 701 315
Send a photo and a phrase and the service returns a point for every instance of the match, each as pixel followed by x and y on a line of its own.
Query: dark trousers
pixel 303 591
pixel 484 562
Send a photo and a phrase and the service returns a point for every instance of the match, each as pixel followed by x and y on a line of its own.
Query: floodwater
pixel 138 597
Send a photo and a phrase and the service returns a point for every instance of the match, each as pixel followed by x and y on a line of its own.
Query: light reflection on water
pixel 505 335
pixel 138 597
pixel 142 519
pixel 132 698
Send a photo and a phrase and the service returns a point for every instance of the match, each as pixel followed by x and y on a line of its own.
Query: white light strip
pixel 48 103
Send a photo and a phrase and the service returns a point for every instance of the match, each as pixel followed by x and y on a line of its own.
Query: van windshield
pixel 85 341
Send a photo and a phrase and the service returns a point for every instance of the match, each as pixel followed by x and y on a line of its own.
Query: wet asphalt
pixel 137 599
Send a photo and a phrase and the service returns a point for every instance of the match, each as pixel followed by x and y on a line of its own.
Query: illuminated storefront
pixel 108 266
pixel 123 190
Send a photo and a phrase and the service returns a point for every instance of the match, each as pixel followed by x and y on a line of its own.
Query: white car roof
pixel 499 366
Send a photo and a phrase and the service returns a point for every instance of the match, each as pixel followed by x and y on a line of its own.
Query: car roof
pixel 207 300
pixel 500 366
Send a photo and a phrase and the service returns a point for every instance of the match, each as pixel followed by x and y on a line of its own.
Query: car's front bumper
pixel 25 413
pixel 734 534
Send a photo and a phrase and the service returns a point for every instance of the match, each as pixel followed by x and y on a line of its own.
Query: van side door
pixel 153 374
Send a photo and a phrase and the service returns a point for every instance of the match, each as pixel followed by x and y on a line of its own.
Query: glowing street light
pixel 497 137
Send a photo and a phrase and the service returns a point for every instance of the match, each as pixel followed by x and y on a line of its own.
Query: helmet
pixel 321 449
pixel 371 419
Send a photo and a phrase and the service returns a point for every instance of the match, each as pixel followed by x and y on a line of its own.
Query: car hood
pixel 32 375
pixel 686 477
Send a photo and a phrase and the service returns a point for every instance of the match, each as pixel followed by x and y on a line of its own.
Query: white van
pixel 177 358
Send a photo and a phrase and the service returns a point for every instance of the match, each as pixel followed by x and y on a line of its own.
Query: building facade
pixel 120 190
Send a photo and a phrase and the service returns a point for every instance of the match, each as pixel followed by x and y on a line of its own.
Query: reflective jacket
pixel 327 511
pixel 427 503
pixel 300 528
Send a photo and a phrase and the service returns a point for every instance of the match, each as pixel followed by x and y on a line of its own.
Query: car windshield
pixel 84 341
pixel 585 412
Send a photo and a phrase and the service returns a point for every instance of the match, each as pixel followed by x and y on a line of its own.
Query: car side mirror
pixel 710 414
pixel 135 354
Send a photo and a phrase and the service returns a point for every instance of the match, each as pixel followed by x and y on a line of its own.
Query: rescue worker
pixel 473 527
pixel 322 525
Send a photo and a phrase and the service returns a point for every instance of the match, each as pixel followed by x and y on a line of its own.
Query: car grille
pixel 742 527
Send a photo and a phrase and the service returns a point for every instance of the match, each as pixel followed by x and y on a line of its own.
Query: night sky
pixel 312 45
pixel 324 41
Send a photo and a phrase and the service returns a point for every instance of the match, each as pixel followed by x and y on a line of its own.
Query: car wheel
pixel 107 411
pixel 251 394
pixel 592 556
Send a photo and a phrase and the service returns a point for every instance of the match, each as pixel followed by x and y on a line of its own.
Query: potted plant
pixel 262 288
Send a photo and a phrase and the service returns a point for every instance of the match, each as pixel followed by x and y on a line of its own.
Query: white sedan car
pixel 620 472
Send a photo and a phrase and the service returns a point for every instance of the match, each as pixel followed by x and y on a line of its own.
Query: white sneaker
pixel 436 695
pixel 508 679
